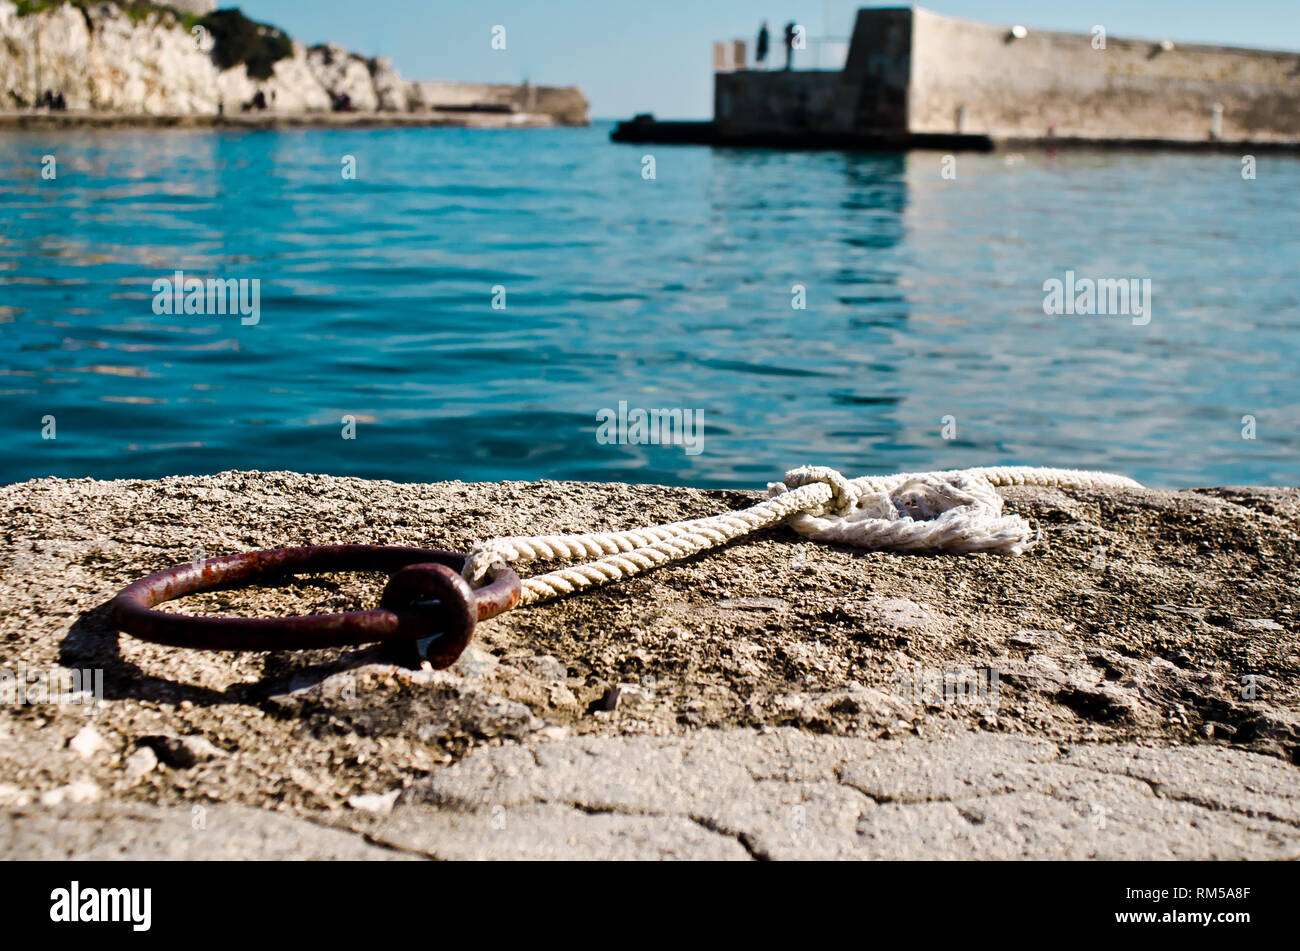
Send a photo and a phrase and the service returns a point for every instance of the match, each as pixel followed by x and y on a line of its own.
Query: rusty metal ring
pixel 426 607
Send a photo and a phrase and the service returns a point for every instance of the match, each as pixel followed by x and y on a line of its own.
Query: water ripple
pixel 471 301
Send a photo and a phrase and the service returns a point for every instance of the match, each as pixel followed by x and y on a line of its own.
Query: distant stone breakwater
pixel 142 59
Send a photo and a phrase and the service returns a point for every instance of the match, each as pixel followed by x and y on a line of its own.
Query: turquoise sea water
pixel 924 300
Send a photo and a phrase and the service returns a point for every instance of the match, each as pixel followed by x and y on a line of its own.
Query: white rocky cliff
pixel 103 57
pixel 138 58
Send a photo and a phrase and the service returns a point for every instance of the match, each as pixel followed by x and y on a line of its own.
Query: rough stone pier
pixel 776 699
pixel 916 79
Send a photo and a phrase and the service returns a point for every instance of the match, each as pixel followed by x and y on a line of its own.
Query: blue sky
pixel 654 55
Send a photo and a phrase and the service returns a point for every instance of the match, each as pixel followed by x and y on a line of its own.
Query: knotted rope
pixel 955 511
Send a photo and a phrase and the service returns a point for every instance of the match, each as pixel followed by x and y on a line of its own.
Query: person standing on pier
pixel 760 48
pixel 789 44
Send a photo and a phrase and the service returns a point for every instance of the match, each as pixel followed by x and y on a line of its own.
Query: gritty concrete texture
pixel 786 794
pixel 200 832
pixel 1126 689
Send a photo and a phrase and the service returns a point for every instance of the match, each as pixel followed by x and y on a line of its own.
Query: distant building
pixel 912 76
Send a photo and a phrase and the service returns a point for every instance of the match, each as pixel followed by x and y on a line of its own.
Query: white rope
pixel 956 511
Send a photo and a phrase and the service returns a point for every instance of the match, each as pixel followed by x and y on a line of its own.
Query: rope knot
pixel 844 497
pixel 482 560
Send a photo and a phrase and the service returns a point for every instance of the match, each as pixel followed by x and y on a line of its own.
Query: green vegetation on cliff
pixel 136 10
pixel 241 40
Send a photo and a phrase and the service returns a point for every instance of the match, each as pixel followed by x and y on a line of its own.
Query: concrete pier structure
pixel 916 78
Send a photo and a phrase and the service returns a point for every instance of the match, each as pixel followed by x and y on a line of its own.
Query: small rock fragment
pixel 140 763
pixel 81 790
pixel 87 742
pixel 378 803
pixel 1260 624
pixel 13 796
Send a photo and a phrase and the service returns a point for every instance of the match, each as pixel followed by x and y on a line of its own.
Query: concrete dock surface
pixel 1127 689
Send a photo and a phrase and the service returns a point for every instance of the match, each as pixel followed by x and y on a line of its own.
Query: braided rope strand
pixel 953 511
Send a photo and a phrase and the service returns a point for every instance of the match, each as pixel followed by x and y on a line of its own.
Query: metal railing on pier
pixel 818 52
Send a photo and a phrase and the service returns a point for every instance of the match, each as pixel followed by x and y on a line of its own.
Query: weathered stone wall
pixel 753 102
pixel 913 71
pixel 1047 83
pixel 879 67
pixel 566 104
